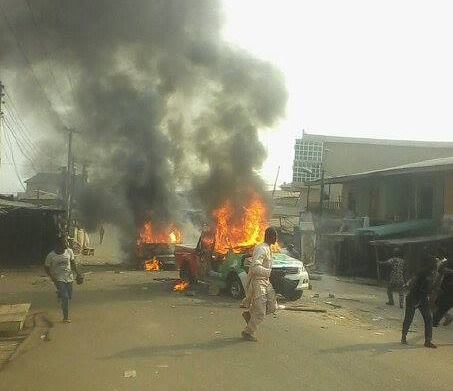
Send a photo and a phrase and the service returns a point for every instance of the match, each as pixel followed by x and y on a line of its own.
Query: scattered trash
pixel 316 295
pixel 211 313
pixel 130 373
pixel 144 288
pixel 162 366
pixel 217 332
pixel 331 296
pixel 190 293
pixel 377 319
pixel 323 327
pixel 2 276
pixel 118 272
pixel 378 333
pixel 173 306
pixel 45 336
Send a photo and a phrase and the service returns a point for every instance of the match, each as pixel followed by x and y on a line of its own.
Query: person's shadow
pixel 175 350
pixel 381 348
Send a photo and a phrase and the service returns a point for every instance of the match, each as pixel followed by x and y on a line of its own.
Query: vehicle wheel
pixel 235 288
pixel 294 295
pixel 185 274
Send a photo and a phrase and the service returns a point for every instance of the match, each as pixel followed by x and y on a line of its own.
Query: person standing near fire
pixel 260 295
pixel 60 266
pixel 397 279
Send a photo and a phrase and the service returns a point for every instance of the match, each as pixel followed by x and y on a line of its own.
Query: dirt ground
pixel 126 321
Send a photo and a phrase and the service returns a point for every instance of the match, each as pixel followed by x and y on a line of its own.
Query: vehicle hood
pixel 282 260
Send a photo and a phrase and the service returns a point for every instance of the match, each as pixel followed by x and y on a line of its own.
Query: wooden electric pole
pixel 2 87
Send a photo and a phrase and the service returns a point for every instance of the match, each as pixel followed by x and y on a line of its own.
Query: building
pixel 27 232
pixel 405 205
pixel 347 155
pixel 422 190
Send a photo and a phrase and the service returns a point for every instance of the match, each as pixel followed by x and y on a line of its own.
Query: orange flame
pixel 275 248
pixel 169 234
pixel 182 286
pixel 152 265
pixel 245 232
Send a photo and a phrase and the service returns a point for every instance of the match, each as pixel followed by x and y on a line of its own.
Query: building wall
pixel 448 195
pixel 398 198
pixel 343 158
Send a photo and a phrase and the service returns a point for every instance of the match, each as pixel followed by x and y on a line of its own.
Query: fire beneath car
pixel 181 286
pixel 240 234
pixel 152 265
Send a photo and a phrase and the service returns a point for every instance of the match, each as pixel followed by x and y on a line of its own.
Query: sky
pixel 380 69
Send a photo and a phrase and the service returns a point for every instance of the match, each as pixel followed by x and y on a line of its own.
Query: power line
pixel 8 141
pixel 17 113
pixel 23 136
pixel 28 63
pixel 20 145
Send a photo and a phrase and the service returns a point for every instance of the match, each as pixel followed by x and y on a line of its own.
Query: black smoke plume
pixel 162 103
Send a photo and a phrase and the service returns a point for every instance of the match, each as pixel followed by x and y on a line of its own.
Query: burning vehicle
pixel 155 248
pixel 222 253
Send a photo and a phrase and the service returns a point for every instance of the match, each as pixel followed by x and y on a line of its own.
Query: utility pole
pixel 2 87
pixel 275 183
pixel 69 168
pixel 321 196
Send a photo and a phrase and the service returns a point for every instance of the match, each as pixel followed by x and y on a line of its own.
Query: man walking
pixel 260 296
pixel 101 233
pixel 60 266
pixel 397 280
pixel 420 287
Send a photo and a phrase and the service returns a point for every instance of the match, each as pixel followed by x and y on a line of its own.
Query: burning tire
pixel 234 287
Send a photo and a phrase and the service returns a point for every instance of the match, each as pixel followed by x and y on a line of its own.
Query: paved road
pixel 174 342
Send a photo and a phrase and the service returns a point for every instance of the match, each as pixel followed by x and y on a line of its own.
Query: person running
pixel 60 266
pixel 260 295
pixel 420 287
pixel 397 279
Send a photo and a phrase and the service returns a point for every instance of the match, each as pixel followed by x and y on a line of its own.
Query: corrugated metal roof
pixel 9 204
pixel 431 165
pixel 373 141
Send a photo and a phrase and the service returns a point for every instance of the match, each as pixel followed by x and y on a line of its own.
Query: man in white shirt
pixel 60 266
pixel 260 296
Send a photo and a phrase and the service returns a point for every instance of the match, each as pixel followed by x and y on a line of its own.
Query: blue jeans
pixel 65 294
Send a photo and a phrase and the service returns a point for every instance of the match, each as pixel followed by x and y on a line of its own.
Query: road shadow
pixel 387 347
pixel 175 350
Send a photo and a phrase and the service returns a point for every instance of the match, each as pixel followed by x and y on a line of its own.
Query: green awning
pixel 410 227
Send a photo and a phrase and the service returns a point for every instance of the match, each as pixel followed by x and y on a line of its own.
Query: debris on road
pixel 166 279
pixel 377 319
pixel 301 308
pixel 130 373
pixel 349 299
pixel 333 304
